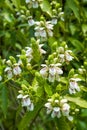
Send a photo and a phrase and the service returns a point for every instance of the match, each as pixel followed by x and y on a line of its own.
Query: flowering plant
pixel 45 76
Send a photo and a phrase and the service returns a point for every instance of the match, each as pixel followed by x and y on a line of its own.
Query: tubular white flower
pixel 8 70
pixel 49 107
pixel 20 96
pixel 43 29
pixel 56 112
pixel 68 55
pixel 65 109
pixel 51 78
pixel 54 21
pixel 31 22
pixel 41 50
pixel 30 107
pixel 52 70
pixel 43 71
pixel 16 69
pixel 26 102
pixel 73 85
pixel 35 4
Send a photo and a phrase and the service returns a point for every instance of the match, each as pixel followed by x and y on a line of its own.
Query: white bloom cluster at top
pixel 51 72
pixel 58 108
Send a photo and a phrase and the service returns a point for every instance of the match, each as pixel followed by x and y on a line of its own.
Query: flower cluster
pixel 58 108
pixel 26 102
pixel 28 53
pixel 43 29
pixel 52 72
pixel 12 69
pixel 73 85
pixel 65 55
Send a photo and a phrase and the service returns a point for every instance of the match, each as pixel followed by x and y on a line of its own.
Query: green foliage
pixel 43 52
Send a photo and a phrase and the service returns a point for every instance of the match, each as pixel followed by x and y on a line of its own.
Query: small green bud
pixel 54 46
pixel 57 5
pixel 71 73
pixel 85 64
pixel 23 52
pixel 13 60
pixel 29 66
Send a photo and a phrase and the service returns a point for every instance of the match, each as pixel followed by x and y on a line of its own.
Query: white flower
pixel 43 29
pixel 29 55
pixel 62 101
pixel 30 107
pixel 54 21
pixel 56 112
pixel 73 85
pixel 16 69
pixel 27 1
pixel 70 118
pixel 35 4
pixel 65 109
pixel 0 78
pixel 31 22
pixel 68 55
pixel 8 70
pixel 26 102
pixel 44 71
pixel 41 50
pixel 54 72
pixel 49 107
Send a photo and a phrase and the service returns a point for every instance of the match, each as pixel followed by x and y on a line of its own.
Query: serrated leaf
pixel 78 101
pixel 29 116
pixel 36 52
pixel 45 6
pixel 73 6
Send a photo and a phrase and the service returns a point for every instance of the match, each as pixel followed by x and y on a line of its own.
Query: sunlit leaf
pixel 78 101
pixel 45 6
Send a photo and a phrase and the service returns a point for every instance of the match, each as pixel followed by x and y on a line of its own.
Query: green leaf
pixel 16 3
pixel 73 6
pixel 48 89
pixel 63 124
pixel 45 6
pixel 84 28
pixel 78 101
pixel 29 116
pixel 83 88
pixel 76 43
pixel 3 98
